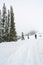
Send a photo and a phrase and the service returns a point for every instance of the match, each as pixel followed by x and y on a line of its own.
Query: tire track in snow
pixel 33 56
pixel 36 55
pixel 40 50
pixel 30 56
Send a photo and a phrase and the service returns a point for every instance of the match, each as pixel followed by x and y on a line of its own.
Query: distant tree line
pixel 28 35
pixel 7 25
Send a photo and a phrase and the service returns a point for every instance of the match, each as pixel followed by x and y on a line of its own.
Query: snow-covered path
pixel 27 52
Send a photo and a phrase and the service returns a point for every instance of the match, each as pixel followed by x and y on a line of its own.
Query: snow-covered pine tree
pixel 13 36
pixel 0 27
pixel 8 21
pixel 6 29
pixel 28 36
pixel 8 26
pixel 4 21
pixel 22 36
pixel 0 22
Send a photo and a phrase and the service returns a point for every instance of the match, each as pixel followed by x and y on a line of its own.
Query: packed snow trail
pixel 27 52
pixel 6 50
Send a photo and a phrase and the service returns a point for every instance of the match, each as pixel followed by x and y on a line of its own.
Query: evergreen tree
pixel 28 36
pixel 6 30
pixel 13 36
pixel 35 36
pixel 8 24
pixel 8 21
pixel 22 36
pixel 0 22
pixel 4 20
pixel 0 27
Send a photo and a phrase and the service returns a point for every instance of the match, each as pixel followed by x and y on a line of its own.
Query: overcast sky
pixel 28 14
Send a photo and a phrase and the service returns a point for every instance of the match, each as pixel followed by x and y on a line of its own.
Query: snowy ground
pixel 26 52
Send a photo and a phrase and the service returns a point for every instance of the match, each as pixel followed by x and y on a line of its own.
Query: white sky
pixel 28 14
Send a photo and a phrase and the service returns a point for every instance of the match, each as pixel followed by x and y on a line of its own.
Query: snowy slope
pixel 26 52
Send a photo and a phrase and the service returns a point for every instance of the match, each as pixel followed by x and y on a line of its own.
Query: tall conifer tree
pixel 4 20
pixel 13 36
pixel 0 27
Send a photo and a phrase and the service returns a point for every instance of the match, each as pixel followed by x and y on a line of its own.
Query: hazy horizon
pixel 28 14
